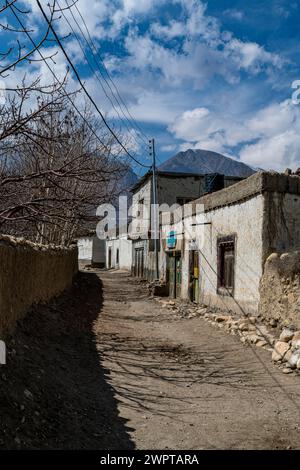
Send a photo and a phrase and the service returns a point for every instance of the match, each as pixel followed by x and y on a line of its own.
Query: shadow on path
pixel 54 392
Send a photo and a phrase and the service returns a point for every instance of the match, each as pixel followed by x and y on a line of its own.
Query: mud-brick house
pixel 217 257
pixel 172 188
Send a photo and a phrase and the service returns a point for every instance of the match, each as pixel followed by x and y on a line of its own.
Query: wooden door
pixel 194 276
pixel 171 274
pixel 178 266
pixel 139 262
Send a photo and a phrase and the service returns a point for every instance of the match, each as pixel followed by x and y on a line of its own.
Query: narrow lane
pixel 182 384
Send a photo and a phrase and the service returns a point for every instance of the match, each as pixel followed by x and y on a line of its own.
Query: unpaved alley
pixel 105 367
pixel 183 384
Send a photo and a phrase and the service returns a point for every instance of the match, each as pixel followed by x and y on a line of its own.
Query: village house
pixel 119 252
pixel 172 188
pixel 91 250
pixel 220 263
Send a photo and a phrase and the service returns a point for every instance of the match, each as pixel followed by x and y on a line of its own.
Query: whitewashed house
pixel 91 250
pixel 218 256
pixel 119 252
pixel 172 188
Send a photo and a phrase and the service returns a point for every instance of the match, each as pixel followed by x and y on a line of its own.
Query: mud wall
pixel 280 289
pixel 31 274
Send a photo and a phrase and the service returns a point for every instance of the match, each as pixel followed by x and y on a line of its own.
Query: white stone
pixel 253 338
pixel 296 344
pixel 280 349
pixel 286 335
pixel 294 359
pixel 261 343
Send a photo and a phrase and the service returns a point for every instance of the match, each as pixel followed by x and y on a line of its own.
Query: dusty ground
pixel 120 372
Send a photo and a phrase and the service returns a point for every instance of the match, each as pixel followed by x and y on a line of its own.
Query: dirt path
pixel 104 367
pixel 182 384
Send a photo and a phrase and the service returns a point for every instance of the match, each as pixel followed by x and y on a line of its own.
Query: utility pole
pixel 155 205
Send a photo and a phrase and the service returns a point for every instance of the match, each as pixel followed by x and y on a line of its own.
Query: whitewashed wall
pixel 125 253
pixel 245 221
pixel 91 249
pixel 85 248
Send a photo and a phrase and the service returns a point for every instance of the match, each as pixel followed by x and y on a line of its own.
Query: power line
pixel 108 75
pixel 58 81
pixel 95 71
pixel 84 89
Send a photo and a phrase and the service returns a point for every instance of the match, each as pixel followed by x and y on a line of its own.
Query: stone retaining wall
pixel 280 289
pixel 31 274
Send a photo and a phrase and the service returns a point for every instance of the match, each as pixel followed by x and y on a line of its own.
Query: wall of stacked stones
pixel 280 289
pixel 31 274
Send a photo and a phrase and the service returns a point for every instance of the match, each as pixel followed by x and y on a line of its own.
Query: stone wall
pixel 280 289
pixel 31 274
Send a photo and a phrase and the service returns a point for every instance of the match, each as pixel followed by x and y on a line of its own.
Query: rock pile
pixel 285 349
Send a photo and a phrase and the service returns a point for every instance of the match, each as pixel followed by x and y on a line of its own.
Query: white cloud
pixel 163 84
pixel 173 30
pixel 269 138
pixel 279 152
pixel 168 148
pixel 206 51
pixel 234 14
pixel 250 56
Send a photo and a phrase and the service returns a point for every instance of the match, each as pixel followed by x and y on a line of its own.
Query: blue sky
pixel 215 75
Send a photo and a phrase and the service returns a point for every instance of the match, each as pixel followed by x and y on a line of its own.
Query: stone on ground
pixel 286 335
pixel 280 349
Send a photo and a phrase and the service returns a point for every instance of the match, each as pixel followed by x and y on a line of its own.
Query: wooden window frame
pixel 222 242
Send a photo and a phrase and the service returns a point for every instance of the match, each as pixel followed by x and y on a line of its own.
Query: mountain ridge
pixel 205 161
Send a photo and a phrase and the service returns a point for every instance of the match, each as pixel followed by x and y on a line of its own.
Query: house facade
pixel 172 188
pixel 119 252
pixel 91 250
pixel 217 255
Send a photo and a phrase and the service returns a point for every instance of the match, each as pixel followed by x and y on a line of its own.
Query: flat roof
pixel 252 186
pixel 176 174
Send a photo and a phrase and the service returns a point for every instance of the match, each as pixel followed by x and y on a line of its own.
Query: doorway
pixel 109 258
pixel 117 258
pixel 139 262
pixel 174 274
pixel 194 276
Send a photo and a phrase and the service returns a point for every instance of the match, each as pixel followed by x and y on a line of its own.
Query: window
pixel 226 265
pixel 117 256
pixel 141 208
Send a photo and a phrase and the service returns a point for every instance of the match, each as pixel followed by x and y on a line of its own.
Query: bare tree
pixel 54 172
pixel 55 169
pixel 14 19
